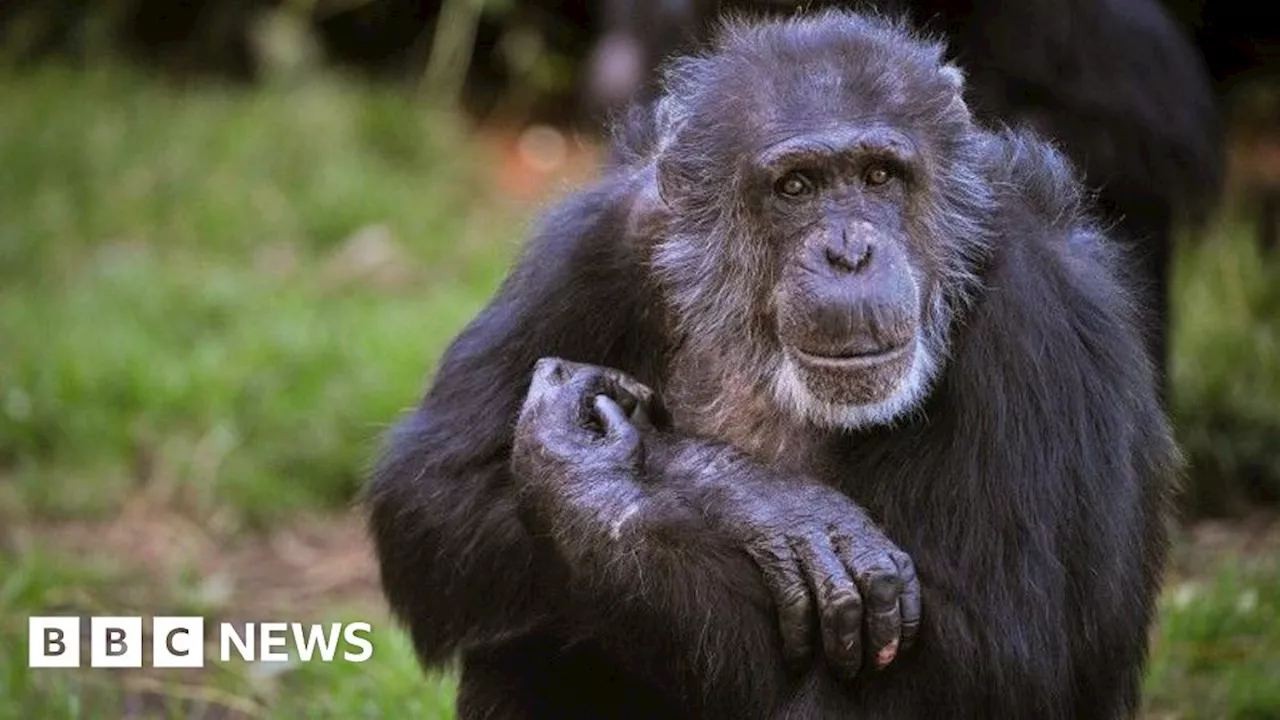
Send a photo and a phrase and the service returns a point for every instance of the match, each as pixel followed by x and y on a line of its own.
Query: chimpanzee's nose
pixel 847 256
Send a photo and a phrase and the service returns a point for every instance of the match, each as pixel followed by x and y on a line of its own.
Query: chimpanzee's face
pixel 851 280
pixel 824 208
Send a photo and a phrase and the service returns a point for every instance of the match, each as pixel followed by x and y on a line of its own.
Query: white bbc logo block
pixel 115 642
pixel 53 642
pixel 177 642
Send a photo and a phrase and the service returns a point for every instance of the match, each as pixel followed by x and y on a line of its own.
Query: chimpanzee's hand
pixel 580 423
pixel 579 449
pixel 820 554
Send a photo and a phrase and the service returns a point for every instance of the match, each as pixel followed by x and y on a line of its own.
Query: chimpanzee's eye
pixel 794 185
pixel 877 175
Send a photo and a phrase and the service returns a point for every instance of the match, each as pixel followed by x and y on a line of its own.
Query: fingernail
pixel 887 653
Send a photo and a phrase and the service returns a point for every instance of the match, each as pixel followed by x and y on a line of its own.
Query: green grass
pixel 178 299
pixel 215 300
pixel 187 311
pixel 1217 651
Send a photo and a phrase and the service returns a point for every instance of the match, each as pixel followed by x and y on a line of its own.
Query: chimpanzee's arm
pixel 456 563
pixel 458 566
pixel 651 529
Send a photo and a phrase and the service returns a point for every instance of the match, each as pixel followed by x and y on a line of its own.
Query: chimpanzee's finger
pixel 909 602
pixel 614 420
pixel 839 606
pixel 874 569
pixel 882 621
pixel 623 442
pixel 791 597
pixel 579 396
pixel 639 401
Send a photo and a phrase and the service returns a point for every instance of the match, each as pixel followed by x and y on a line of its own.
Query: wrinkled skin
pixel 584 445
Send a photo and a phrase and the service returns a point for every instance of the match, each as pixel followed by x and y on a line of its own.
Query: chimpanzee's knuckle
pixel 906 566
pixel 844 599
pixel 882 588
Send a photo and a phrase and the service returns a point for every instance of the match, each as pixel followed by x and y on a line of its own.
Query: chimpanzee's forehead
pixel 794 72
pixel 829 94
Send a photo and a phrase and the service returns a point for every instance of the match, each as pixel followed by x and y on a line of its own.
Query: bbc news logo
pixel 178 642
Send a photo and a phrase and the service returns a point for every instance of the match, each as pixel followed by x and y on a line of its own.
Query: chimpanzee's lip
pixel 852 359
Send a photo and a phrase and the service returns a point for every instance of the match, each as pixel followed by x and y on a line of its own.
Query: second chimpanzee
pixel 828 402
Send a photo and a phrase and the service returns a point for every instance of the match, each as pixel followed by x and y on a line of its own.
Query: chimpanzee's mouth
pixel 852 358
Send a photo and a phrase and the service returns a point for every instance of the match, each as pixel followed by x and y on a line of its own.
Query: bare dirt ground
pixel 313 561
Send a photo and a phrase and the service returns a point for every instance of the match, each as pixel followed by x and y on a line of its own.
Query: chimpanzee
pixel 1117 83
pixel 828 402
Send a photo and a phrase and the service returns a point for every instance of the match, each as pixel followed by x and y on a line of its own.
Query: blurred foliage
pixel 1226 370
pixel 513 59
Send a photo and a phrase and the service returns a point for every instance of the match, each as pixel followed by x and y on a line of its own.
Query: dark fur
pixel 1029 486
